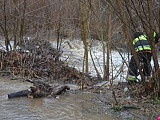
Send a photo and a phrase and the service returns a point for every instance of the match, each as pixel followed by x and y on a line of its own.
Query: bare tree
pixel 83 18
pixel 108 41
pixel 4 23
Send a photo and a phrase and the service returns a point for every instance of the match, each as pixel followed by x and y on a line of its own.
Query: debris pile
pixel 38 59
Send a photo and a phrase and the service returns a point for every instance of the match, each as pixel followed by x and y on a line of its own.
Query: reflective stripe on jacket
pixel 154 34
pixel 141 43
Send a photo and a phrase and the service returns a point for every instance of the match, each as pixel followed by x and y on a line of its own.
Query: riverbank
pixel 70 106
pixel 98 103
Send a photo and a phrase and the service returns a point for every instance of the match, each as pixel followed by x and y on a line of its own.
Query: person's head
pixel 137 34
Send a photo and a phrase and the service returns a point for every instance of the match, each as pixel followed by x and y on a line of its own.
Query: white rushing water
pixel 73 54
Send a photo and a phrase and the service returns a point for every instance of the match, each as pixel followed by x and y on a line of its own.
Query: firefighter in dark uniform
pixel 144 54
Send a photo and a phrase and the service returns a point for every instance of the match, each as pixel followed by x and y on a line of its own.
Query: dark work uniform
pixel 143 51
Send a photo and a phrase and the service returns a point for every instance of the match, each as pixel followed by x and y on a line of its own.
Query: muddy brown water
pixel 77 106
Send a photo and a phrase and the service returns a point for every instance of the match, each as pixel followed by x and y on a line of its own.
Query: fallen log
pixel 37 93
pixel 22 93
pixel 40 89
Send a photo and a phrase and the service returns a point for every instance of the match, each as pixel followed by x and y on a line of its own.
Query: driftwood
pixel 22 93
pixel 40 89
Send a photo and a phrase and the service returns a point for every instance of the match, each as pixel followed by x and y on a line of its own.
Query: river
pixel 75 105
pixel 70 106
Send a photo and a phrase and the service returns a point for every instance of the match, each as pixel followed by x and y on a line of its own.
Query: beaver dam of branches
pixel 41 61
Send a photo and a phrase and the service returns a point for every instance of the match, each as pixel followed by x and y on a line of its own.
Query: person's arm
pixel 156 37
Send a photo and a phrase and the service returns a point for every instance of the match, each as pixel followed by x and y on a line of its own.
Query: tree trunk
pixel 108 41
pixel 83 18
